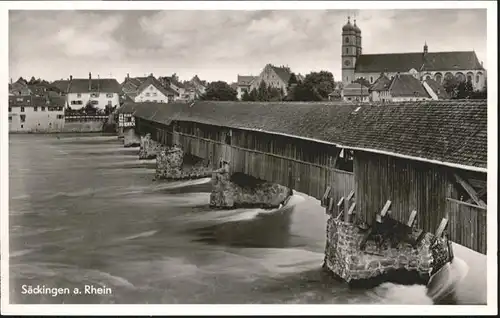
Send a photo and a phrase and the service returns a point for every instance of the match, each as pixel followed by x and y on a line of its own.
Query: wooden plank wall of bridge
pixel 305 166
pixel 299 164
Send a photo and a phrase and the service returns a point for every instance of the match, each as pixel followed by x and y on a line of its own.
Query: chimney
pixel 11 80
pixel 98 83
pixel 70 78
pixel 90 81
pixel 128 75
pixel 426 48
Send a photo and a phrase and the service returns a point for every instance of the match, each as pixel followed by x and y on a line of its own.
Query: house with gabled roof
pixel 243 84
pixel 151 90
pixel 100 92
pixel 463 65
pixel 405 87
pixel 274 76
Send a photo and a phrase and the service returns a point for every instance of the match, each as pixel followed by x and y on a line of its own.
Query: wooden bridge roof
pixel 449 132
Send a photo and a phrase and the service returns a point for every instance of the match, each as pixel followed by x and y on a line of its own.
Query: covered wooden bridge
pixel 429 159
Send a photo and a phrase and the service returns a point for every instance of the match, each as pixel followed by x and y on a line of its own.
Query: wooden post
pixel 324 200
pixel 347 203
pixel 340 204
pixel 385 209
pixel 350 213
pixel 330 206
pixel 442 227
pixel 412 219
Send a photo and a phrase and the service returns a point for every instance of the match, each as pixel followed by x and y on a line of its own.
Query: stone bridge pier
pixel 228 190
pixel 131 138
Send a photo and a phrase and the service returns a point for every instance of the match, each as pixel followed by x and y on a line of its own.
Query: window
pixel 23 118
pixel 10 118
pixel 371 79
pixel 22 126
pixel 20 99
pixel 60 116
pixel 347 50
pixel 477 79
pixel 110 103
pixel 35 109
pixel 469 79
pixel 10 109
pixel 151 88
pixel 60 108
pixel 346 40
pixel 79 95
pixel 147 94
pixel 43 108
pixel 109 95
pixel 154 94
pixel 22 109
pixel 94 102
pixel 95 95
pixel 129 119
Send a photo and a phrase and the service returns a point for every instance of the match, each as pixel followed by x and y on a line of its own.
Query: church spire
pixel 426 48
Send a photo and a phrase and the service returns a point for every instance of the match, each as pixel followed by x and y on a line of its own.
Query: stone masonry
pixel 227 194
pixel 345 259
pixel 149 148
pixel 170 166
pixel 130 138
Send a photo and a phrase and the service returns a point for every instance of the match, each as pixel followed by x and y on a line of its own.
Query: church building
pixel 425 65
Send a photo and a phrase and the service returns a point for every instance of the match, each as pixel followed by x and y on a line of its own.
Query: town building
pixel 405 87
pixel 355 92
pixel 274 76
pixel 19 88
pixel 100 92
pixel 151 90
pixel 36 114
pixel 464 66
pixel 243 84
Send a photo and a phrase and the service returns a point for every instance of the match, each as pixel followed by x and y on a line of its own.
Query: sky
pixel 219 45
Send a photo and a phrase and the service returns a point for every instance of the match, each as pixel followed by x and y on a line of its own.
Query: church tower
pixel 350 51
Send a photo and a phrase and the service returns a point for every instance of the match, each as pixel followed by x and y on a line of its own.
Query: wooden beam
pixel 442 227
pixel 341 201
pixel 385 209
pixel 470 190
pixel 351 209
pixel 351 194
pixel 480 193
pixel 330 206
pixel 325 196
pixel 413 217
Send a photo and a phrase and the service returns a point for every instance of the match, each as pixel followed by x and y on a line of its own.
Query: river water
pixel 85 211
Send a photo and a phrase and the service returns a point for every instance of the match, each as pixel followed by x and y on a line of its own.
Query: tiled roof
pixel 355 89
pixel 445 131
pixel 62 85
pixel 245 80
pixel 105 85
pixel 32 101
pixel 405 85
pixel 437 88
pixel 381 84
pixel 403 62
pixel 283 72
pixel 153 81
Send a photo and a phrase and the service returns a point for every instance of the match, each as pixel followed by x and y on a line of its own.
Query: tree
pixel 253 95
pixel 90 109
pixel 262 92
pixel 322 82
pixel 305 92
pixel 246 96
pixel 363 81
pixel 220 91
pixel 450 85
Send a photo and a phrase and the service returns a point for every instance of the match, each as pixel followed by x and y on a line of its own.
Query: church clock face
pixel 347 62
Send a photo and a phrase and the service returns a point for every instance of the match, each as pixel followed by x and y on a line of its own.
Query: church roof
pixel 403 62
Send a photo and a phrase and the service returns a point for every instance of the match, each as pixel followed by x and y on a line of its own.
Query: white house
pixel 151 90
pixel 36 114
pixel 100 92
